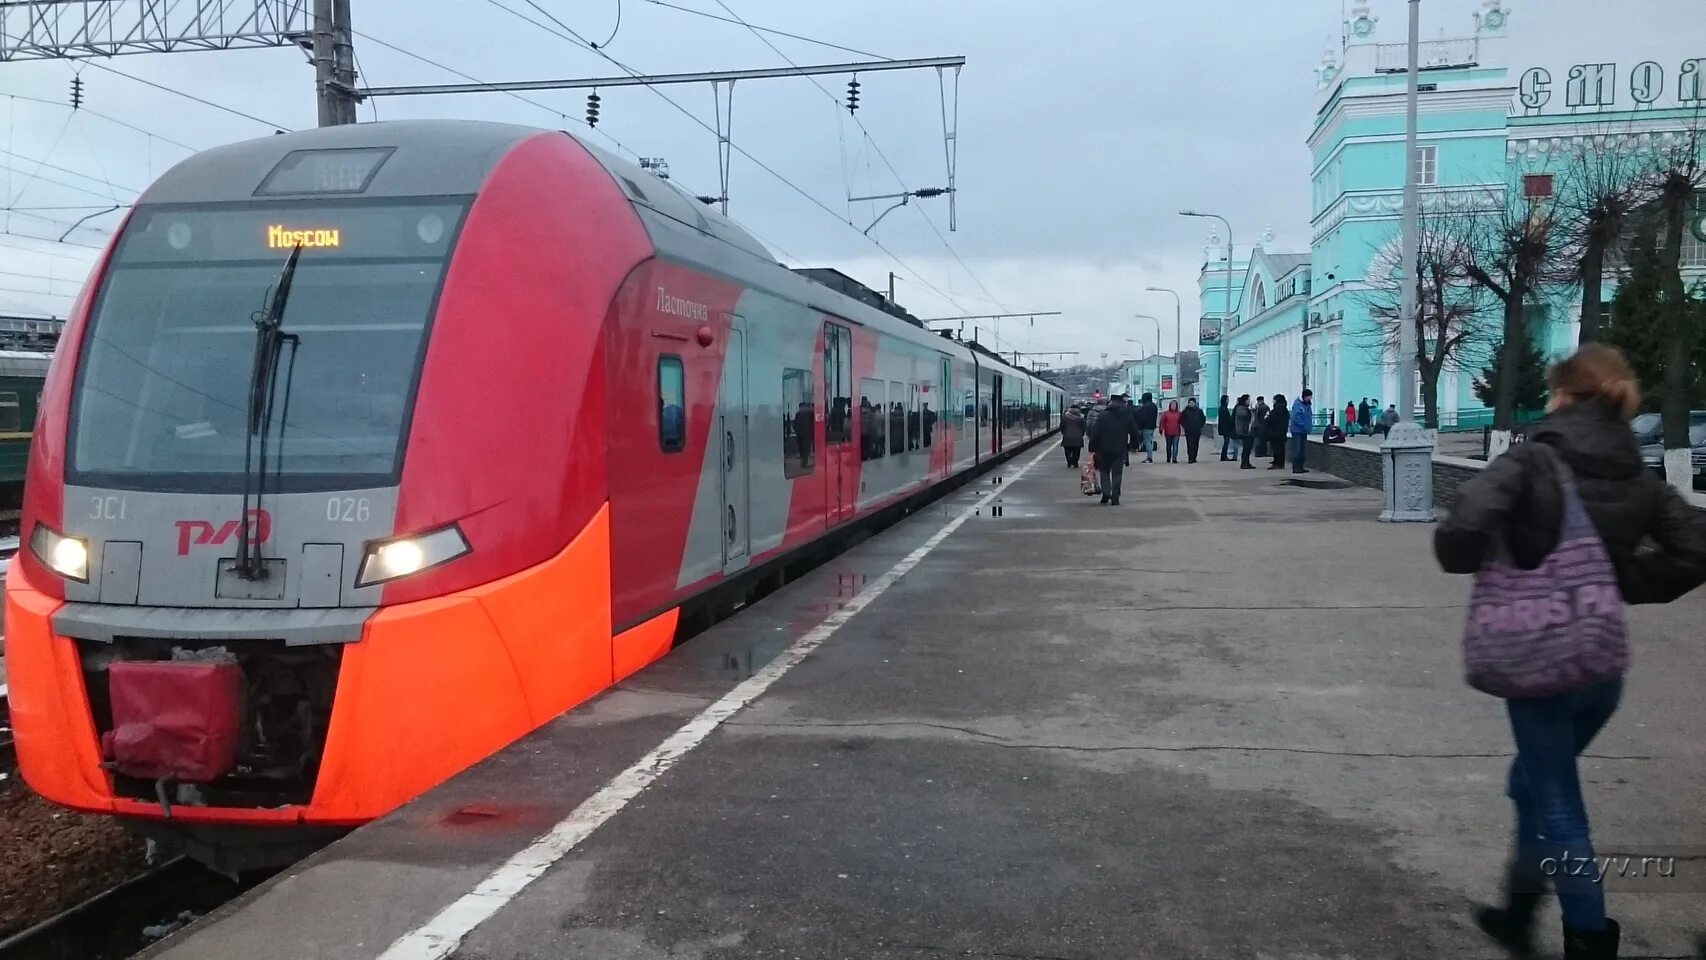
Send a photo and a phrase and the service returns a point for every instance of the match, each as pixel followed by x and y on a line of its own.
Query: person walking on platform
pixel 1388 420
pixel 1365 416
pixel 1579 480
pixel 1193 421
pixel 1279 420
pixel 1227 427
pixel 1112 436
pixel 1259 427
pixel 1171 429
pixel 1072 432
pixel 1244 427
pixel 1148 417
pixel 1302 421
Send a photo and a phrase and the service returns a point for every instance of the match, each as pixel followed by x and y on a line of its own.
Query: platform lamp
pixel 1178 334
pixel 1157 354
pixel 1226 318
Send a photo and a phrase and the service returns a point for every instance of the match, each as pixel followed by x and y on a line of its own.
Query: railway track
pixel 8 757
pixel 121 920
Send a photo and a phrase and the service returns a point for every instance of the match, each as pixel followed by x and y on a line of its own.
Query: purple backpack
pixel 1553 629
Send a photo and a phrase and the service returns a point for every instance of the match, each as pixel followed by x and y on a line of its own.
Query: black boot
pixel 1512 925
pixel 1592 944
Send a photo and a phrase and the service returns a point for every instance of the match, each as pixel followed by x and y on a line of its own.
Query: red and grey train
pixel 370 449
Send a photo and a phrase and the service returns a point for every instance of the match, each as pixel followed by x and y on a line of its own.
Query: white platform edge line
pixel 440 936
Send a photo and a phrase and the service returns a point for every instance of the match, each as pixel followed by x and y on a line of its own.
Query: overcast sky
pixel 1084 126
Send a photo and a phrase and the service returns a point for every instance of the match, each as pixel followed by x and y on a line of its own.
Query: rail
pixel 121 920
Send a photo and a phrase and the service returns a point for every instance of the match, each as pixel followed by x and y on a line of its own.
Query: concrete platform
pixel 1224 719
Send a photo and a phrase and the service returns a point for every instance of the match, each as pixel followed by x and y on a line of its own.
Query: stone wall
pixel 1361 466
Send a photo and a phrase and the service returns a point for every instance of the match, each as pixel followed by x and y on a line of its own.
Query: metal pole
pixel 343 61
pixel 1178 328
pixel 1411 228
pixel 324 53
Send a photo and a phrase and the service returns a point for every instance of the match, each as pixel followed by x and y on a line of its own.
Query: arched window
pixel 1261 297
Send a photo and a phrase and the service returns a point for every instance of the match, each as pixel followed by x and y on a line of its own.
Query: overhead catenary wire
pixel 189 96
pixel 780 33
pixel 569 34
pixel 877 148
pixel 102 116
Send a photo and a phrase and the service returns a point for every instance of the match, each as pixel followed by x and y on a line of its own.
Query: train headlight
pixel 390 559
pixel 66 556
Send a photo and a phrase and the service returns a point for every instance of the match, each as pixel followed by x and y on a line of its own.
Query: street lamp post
pixel 1178 333
pixel 1157 321
pixel 1227 318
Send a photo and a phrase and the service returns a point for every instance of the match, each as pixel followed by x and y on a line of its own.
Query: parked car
pixel 1649 427
pixel 1653 454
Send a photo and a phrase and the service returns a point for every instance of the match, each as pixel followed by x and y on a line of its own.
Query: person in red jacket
pixel 1350 417
pixel 1172 428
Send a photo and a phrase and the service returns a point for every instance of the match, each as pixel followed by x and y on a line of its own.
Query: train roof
pixel 450 157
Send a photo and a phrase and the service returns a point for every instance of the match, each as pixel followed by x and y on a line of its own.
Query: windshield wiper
pixel 270 340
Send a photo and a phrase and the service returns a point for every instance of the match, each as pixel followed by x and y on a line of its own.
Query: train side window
pixel 799 423
pixel 897 417
pixel 11 417
pixel 672 404
pixel 872 418
pixel 967 412
pixel 914 420
pixel 837 383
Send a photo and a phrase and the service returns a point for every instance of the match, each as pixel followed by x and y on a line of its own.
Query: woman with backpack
pixel 1571 507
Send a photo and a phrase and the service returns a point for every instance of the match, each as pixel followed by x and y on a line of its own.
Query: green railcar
pixel 21 376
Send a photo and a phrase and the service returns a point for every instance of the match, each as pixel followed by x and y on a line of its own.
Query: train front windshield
pixel 163 386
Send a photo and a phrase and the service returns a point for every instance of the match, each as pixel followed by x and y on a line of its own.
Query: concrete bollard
pixel 1407 475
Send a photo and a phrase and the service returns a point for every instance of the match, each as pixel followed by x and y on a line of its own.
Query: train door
pixel 997 414
pixel 840 497
pixel 737 531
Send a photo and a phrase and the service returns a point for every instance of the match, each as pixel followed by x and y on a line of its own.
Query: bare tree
pixel 1680 172
pixel 1451 334
pixel 1511 254
pixel 1604 182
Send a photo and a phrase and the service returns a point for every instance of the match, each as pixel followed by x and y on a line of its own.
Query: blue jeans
pixel 1299 446
pixel 1146 443
pixel 1551 819
pixel 1172 449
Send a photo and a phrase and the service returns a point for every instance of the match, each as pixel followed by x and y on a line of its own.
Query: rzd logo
pixel 203 533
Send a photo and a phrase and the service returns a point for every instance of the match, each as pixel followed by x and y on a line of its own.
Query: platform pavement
pixel 1221 720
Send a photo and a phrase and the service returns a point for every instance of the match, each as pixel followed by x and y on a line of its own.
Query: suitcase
pixel 1089 481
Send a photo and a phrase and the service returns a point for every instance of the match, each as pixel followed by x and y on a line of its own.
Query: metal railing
pixel 1434 55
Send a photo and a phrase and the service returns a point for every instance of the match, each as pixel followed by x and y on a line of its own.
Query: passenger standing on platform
pixel 1518 505
pixel 1148 417
pixel 1279 420
pixel 1227 427
pixel 1171 429
pixel 1365 416
pixel 1350 417
pixel 1112 436
pixel 1388 420
pixel 1259 427
pixel 1193 421
pixel 1072 434
pixel 1302 421
pixel 1244 424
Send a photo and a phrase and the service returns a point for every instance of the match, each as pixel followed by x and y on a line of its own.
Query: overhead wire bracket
pixel 950 136
pixel 725 124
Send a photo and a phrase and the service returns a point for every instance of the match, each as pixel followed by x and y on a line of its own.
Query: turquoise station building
pixel 1517 93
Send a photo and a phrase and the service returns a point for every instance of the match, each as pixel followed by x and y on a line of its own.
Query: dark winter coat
pixel 1278 420
pixel 1148 415
pixel 1114 433
pixel 1228 425
pixel 1072 430
pixel 1241 421
pixel 1365 415
pixel 1656 541
pixel 1194 420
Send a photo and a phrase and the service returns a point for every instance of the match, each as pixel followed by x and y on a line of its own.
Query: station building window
pixel 799 423
pixel 1427 166
pixel 672 404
